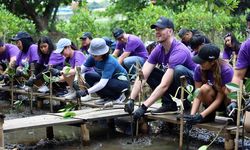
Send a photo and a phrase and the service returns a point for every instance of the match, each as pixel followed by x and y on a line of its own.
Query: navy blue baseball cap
pixel 20 35
pixel 117 33
pixel 86 35
pixel 162 23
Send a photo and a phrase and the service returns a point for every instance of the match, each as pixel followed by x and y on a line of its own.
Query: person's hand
pixel 19 73
pixel 1 77
pixel 138 113
pixel 29 82
pixel 76 85
pixel 129 106
pixel 55 72
pixel 81 93
pixel 247 105
pixel 231 109
pixel 193 119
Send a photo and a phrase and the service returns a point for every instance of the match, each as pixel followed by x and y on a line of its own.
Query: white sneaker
pixel 86 98
pixel 120 99
pixel 43 89
pixel 71 95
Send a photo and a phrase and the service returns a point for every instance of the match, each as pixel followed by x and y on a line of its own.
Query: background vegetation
pixel 213 17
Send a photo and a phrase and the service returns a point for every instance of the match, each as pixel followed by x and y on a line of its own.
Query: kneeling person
pixel 109 80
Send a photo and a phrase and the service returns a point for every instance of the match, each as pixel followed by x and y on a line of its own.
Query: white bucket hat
pixel 61 44
pixel 98 47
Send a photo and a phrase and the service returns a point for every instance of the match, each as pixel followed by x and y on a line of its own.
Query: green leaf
pixel 62 110
pixel 69 114
pixel 66 70
pixel 190 88
pixel 17 102
pixel 203 147
pixel 233 86
pixel 247 85
pixel 190 98
pixel 46 78
pixel 196 92
pixel 232 95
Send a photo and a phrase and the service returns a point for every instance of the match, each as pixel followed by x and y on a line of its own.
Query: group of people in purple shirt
pixel 196 58
pixel 108 72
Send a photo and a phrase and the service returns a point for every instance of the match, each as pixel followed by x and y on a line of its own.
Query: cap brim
pixel 91 52
pixel 59 50
pixel 15 39
pixel 197 59
pixel 84 37
pixel 153 26
pixel 119 36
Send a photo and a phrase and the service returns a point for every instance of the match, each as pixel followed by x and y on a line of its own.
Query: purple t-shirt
pixel 78 59
pixel 10 51
pixel 30 56
pixel 134 45
pixel 178 54
pixel 84 49
pixel 56 58
pixel 227 53
pixel 243 60
pixel 226 74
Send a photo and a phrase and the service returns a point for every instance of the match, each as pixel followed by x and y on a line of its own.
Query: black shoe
pixel 165 109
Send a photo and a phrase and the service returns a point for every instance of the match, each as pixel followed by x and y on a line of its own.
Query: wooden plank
pixel 214 126
pixel 57 118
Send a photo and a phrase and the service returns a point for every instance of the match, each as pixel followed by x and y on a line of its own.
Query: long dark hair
pixel 235 43
pixel 26 42
pixel 47 40
pixel 216 74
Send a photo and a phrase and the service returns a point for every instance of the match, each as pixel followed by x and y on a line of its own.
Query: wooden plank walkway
pixel 51 119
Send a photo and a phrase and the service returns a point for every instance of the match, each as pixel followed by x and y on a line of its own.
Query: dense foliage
pixel 11 24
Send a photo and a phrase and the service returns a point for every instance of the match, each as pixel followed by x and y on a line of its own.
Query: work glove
pixel 29 82
pixel 232 106
pixel 76 86
pixel 55 72
pixel 1 77
pixel 247 105
pixel 193 119
pixel 129 106
pixel 19 73
pixel 138 113
pixel 81 93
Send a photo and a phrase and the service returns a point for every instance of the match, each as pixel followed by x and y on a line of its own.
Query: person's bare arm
pixel 239 74
pixel 123 56
pixel 161 88
pixel 116 52
pixel 197 101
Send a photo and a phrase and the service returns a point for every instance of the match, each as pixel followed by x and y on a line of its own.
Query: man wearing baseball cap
pixel 176 60
pixel 85 39
pixel 131 50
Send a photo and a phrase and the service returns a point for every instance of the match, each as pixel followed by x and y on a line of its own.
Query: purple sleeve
pixel 226 74
pixel 197 74
pixel 152 59
pixel 119 46
pixel 79 59
pixel 243 60
pixel 177 58
pixel 226 54
pixel 13 51
pixel 33 53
